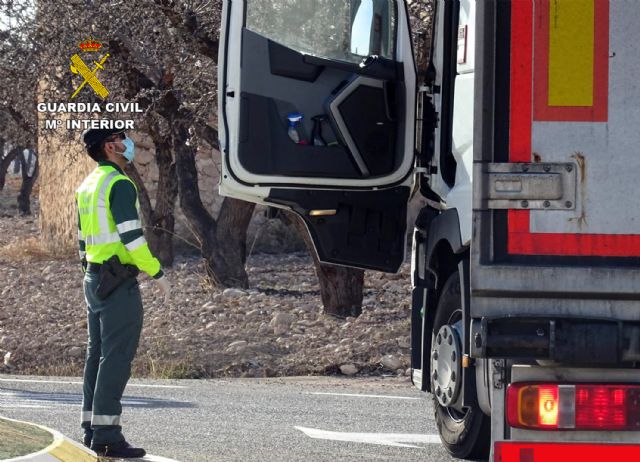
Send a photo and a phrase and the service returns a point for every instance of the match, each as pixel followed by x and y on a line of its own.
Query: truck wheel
pixel 465 432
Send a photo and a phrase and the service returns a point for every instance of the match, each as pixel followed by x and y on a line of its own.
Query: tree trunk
pixel 233 221
pixel 159 222
pixel 224 259
pixel 28 180
pixel 163 225
pixel 341 288
pixel 5 163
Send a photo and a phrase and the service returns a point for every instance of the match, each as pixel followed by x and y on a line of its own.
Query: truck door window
pixel 331 29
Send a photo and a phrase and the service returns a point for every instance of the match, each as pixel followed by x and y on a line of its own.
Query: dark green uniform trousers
pixel 114 326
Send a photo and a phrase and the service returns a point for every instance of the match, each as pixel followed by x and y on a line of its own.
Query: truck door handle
pixel 368 61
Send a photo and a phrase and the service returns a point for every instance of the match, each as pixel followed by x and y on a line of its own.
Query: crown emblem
pixel 90 45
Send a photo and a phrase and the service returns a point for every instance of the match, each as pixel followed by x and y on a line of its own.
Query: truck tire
pixel 465 435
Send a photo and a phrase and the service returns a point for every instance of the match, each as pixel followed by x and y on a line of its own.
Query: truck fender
pixel 445 254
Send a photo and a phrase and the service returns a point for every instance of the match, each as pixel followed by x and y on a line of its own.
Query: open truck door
pixel 316 111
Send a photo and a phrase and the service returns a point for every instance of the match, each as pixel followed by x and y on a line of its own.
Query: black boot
pixel 121 450
pixel 87 437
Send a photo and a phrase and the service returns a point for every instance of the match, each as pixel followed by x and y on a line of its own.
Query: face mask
pixel 130 149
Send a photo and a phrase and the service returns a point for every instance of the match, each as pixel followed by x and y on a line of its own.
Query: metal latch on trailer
pixel 529 186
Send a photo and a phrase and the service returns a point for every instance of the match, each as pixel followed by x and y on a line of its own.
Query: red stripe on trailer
pixel 520 239
pixel 556 452
pixel 523 242
pixel 521 82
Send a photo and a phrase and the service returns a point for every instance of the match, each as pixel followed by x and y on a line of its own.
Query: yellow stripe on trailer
pixel 571 53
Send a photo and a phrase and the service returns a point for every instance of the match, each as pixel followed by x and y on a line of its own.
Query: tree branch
pixel 187 23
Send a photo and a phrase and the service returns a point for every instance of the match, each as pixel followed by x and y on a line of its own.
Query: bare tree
pixel 17 95
pixel 160 221
pixel 341 288
pixel 163 55
pixel 29 169
pixel 164 59
pixel 5 163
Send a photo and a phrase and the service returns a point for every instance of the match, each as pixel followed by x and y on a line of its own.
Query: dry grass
pixel 169 369
pixel 63 166
pixel 30 249
pixel 17 439
pixel 157 362
pixel 64 368
pixel 144 366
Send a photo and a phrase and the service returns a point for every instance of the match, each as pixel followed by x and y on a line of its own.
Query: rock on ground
pixel 348 369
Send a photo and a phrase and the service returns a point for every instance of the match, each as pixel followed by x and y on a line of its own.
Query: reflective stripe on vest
pixel 127 226
pixel 103 219
pixel 133 245
pixel 102 238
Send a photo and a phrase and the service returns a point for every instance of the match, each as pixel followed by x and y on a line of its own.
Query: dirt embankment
pixel 275 328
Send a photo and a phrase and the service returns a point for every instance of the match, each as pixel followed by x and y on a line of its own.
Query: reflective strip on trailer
pixel 571 48
pixel 545 45
pixel 549 452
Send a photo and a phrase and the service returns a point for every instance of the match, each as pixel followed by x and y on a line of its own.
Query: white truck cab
pixel 521 136
pixel 349 73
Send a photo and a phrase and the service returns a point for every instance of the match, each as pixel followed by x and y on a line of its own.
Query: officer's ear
pixel 102 151
pixel 108 147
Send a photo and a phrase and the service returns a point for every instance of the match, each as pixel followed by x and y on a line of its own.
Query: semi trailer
pixel 522 139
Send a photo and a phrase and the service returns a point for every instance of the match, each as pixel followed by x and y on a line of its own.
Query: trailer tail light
pixel 573 407
pixel 600 407
pixel 548 406
pixel 549 452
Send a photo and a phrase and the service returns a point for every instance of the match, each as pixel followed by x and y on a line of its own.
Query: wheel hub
pixel 445 366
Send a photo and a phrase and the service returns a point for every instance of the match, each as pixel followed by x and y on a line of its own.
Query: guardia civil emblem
pixel 89 76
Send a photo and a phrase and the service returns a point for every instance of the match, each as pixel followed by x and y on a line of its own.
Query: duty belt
pixel 94 267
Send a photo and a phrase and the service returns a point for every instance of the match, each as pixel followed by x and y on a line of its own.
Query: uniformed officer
pixel 109 224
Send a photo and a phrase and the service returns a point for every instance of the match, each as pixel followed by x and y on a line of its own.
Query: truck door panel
pixel 366 230
pixel 346 67
pixel 360 126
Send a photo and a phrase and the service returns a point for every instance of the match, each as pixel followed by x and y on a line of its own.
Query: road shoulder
pixel 31 442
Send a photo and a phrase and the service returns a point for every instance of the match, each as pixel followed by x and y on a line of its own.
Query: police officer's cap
pixel 95 136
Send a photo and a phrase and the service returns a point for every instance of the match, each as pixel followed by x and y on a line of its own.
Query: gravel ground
pixel 275 328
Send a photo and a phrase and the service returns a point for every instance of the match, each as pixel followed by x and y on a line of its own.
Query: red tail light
pixel 601 407
pixel 573 407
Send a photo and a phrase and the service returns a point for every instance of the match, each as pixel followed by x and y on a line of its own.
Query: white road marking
pixel 23 406
pixel 153 458
pixel 36 400
pixel 405 440
pixel 362 395
pixel 71 382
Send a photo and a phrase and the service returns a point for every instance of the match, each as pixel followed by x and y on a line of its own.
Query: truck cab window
pixel 332 29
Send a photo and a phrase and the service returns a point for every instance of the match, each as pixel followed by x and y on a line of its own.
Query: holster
pixel 112 275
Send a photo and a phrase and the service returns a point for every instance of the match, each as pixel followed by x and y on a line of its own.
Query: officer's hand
pixel 165 288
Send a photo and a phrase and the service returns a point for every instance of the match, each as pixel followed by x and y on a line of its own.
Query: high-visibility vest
pixel 97 227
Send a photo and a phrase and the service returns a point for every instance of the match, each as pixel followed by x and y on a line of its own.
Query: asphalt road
pixel 290 419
